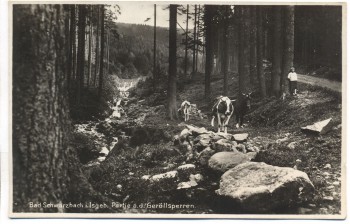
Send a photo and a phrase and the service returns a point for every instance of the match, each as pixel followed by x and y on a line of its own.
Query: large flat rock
pixel 259 187
pixel 240 137
pixel 320 127
pixel 223 161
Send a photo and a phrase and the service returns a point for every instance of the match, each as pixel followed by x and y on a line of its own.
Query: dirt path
pixel 333 85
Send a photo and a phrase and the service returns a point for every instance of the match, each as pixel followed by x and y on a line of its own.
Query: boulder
pixel 224 145
pixel 224 135
pixel 203 136
pixel 186 185
pixel 240 147
pixel 196 130
pixel 223 161
pixel 205 155
pixel 197 177
pixel 187 167
pixel 104 151
pixel 240 137
pixel 259 187
pixel 251 155
pixel 184 171
pixel 202 144
pixel 320 127
pixel 168 175
pixel 184 134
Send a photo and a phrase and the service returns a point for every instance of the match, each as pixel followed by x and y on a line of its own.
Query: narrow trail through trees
pixel 325 83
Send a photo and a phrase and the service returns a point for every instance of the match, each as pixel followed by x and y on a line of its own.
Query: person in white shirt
pixel 293 79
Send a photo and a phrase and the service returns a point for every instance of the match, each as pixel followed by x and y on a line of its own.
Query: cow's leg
pixel 212 121
pixel 226 122
pixel 241 121
pixel 237 120
pixel 219 122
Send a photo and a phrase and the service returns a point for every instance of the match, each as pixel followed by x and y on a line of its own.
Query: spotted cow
pixel 222 110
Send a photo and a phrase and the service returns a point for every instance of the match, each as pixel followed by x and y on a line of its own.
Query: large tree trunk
pixel 194 41
pixel 197 36
pixel 90 48
pixel 155 45
pixel 97 45
pixel 186 39
pixel 253 57
pixel 74 45
pixel 225 51
pixel 260 44
pixel 171 106
pixel 276 56
pixel 81 51
pixel 71 46
pixel 243 61
pixel 40 110
pixel 209 54
pixel 100 80
pixel 288 56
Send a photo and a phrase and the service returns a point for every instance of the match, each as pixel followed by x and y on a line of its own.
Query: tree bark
pixel 186 39
pixel 71 46
pixel 260 44
pixel 225 58
pixel 155 45
pixel 276 56
pixel 100 80
pixel 243 61
pixel 209 54
pixel 197 37
pixel 194 41
pixel 97 45
pixel 81 51
pixel 74 44
pixel 253 57
pixel 171 106
pixel 90 48
pixel 40 109
pixel 288 56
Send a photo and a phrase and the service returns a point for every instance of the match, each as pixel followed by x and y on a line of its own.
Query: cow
pixel 185 109
pixel 242 106
pixel 222 110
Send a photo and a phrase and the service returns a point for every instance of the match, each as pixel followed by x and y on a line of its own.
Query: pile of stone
pixel 253 186
pixel 200 144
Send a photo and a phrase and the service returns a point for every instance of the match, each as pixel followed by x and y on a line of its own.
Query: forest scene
pixel 177 109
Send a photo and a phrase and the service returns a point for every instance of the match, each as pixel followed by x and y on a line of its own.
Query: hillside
pixel 132 52
pixel 148 147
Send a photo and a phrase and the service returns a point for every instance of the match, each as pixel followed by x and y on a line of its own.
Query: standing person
pixel 293 79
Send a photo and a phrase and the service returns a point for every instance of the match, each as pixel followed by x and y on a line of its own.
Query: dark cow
pixel 222 110
pixel 242 106
pixel 185 109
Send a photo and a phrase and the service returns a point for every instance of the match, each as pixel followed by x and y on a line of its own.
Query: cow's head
pixel 228 103
pixel 247 99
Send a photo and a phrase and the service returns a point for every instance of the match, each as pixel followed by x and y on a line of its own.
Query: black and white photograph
pixel 177 110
